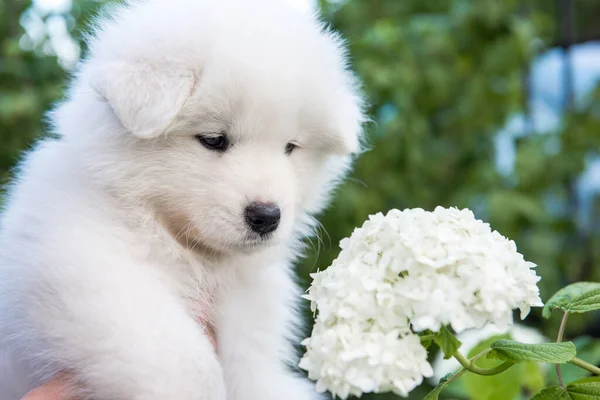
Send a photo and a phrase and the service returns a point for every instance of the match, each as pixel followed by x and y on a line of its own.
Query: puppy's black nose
pixel 263 218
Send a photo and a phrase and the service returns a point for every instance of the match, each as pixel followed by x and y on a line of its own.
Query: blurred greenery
pixel 31 76
pixel 442 78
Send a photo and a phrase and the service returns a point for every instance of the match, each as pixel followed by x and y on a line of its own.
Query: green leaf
pixel 584 391
pixel 575 391
pixel 578 297
pixel 556 353
pixel 552 393
pixel 447 342
pixel 588 379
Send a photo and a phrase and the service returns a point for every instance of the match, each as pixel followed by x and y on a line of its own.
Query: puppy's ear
pixel 145 96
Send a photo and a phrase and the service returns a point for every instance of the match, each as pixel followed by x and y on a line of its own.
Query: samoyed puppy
pixel 196 143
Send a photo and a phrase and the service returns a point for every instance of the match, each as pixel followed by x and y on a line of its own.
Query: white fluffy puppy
pixel 197 139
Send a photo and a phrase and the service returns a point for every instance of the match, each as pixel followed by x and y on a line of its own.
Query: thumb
pixel 57 389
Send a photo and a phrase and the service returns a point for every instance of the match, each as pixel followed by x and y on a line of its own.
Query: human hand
pixel 57 389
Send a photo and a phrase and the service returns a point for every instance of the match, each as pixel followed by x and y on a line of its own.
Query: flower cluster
pixel 400 274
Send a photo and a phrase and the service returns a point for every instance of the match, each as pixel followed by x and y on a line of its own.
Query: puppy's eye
pixel 214 142
pixel 289 148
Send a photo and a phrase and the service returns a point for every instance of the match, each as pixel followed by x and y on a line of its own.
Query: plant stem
pixel 561 330
pixel 470 365
pixel 457 375
pixel 585 365
pixel 478 356
pixel 426 337
pixel 559 339
pixel 451 378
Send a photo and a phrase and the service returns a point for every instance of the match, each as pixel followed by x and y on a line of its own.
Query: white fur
pixel 122 231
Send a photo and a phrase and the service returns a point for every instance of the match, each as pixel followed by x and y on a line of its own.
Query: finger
pixel 56 389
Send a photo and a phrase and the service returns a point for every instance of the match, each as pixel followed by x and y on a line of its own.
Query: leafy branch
pixel 576 298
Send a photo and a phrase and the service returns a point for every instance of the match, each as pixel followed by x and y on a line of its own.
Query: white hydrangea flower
pixel 402 273
pixel 353 359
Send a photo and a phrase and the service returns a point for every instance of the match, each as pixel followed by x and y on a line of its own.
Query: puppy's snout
pixel 263 218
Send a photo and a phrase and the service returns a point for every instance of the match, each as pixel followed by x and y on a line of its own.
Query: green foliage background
pixel 442 77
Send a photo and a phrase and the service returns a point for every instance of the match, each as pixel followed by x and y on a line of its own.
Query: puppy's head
pixel 231 119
